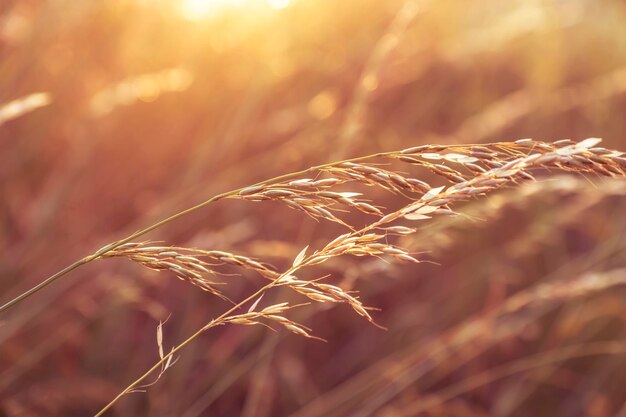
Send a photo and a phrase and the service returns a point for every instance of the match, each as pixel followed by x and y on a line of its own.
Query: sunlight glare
pixel 197 10
pixel 200 9
pixel 278 4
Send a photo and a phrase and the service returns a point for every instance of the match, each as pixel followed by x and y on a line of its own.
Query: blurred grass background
pixel 146 107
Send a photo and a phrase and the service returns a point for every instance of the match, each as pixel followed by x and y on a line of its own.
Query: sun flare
pixel 201 9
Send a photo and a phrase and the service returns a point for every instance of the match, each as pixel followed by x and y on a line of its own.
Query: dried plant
pixel 485 168
pixel 473 170
pixel 186 263
pixel 498 268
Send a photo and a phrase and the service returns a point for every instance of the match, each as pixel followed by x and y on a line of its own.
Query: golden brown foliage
pixel 495 265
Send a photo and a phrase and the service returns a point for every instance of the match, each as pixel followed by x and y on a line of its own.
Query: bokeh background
pixel 115 114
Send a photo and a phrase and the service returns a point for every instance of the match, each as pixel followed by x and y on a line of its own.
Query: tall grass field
pixel 303 208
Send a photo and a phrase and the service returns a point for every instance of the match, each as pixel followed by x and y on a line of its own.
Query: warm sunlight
pixel 278 4
pixel 201 9
pixel 313 208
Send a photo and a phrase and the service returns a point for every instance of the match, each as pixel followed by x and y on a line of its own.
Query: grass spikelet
pixel 487 168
